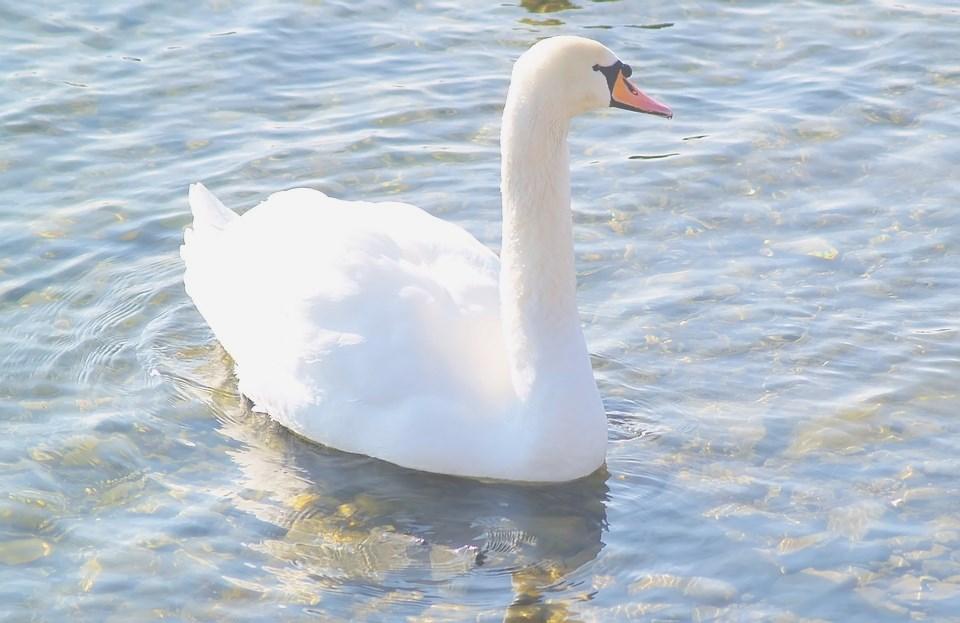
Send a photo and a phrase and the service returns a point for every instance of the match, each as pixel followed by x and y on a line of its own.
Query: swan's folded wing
pixel 333 308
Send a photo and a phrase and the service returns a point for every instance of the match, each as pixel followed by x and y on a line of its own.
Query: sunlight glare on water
pixel 768 285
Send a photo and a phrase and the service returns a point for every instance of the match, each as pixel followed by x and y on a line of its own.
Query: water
pixel 769 286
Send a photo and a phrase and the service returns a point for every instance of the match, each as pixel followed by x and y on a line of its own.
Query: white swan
pixel 378 329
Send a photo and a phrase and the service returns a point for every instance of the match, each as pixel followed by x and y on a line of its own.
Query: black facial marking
pixel 610 72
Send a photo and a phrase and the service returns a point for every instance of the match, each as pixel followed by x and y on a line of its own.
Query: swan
pixel 378 329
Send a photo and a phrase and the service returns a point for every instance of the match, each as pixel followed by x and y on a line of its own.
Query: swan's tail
pixel 209 276
pixel 207 210
pixel 210 217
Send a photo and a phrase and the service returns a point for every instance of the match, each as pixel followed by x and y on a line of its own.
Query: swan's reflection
pixel 348 523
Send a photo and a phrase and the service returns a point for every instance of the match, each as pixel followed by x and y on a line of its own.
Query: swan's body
pixel 378 329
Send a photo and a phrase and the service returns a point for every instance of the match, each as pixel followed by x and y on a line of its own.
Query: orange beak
pixel 624 95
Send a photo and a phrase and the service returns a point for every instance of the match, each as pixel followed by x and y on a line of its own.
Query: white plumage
pixel 352 319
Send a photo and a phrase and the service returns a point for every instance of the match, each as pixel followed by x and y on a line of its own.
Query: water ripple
pixel 768 286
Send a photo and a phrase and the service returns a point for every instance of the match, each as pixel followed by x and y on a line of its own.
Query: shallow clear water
pixel 769 285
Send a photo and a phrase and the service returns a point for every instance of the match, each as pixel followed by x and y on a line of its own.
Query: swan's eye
pixel 611 70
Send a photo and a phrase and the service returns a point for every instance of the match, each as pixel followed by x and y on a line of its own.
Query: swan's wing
pixel 342 315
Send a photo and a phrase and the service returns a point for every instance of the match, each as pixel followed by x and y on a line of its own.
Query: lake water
pixel 769 286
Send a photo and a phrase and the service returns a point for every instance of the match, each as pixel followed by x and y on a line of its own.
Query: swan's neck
pixel 538 306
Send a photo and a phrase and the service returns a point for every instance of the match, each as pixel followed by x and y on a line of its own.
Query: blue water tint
pixel 768 283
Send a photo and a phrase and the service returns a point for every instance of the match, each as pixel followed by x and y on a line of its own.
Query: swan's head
pixel 575 75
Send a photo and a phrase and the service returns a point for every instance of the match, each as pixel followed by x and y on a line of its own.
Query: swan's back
pixel 352 323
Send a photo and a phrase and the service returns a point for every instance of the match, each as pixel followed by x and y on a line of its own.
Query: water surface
pixel 768 283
